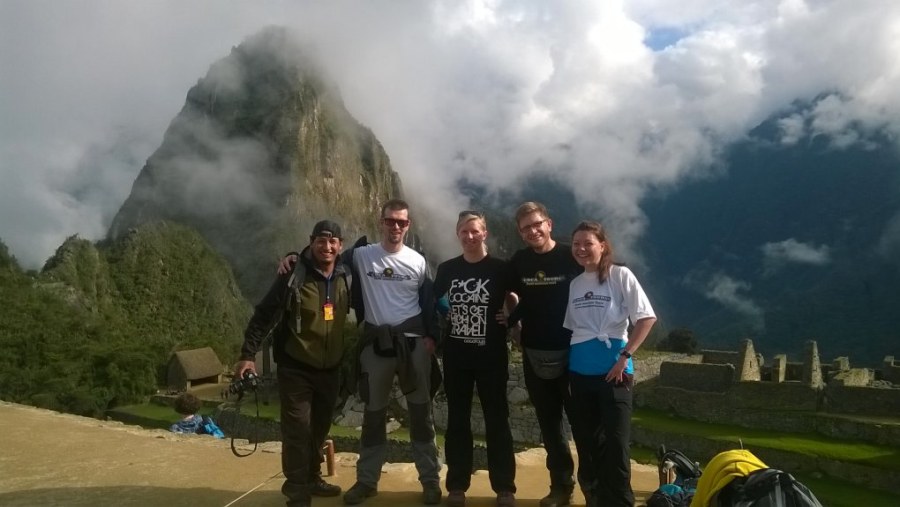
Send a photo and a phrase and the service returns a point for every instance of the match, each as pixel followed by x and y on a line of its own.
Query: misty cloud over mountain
pixel 615 97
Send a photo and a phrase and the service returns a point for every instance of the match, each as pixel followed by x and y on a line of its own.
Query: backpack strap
pixel 298 276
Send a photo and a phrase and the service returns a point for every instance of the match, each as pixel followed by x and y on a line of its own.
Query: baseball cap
pixel 326 228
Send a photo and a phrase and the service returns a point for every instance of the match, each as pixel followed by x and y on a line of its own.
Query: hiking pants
pixel 550 398
pixel 459 384
pixel 308 396
pixel 603 411
pixel 377 378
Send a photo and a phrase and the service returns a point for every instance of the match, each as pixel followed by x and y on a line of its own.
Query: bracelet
pixel 625 353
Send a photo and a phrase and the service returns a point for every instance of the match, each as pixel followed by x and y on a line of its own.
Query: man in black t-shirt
pixel 541 276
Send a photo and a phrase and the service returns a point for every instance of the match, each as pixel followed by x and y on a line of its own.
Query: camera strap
pixel 255 426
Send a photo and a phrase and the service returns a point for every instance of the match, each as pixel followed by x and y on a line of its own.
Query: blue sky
pixel 659 39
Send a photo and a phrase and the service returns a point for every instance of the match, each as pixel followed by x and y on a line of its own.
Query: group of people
pixel 567 307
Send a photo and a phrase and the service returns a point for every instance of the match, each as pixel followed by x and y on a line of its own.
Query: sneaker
pixel 321 488
pixel 456 498
pixel 358 493
pixel 557 498
pixel 431 493
pixel 506 499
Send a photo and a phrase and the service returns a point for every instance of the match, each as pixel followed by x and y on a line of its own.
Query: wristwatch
pixel 624 352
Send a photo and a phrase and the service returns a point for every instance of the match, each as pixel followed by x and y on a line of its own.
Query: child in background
pixel 188 405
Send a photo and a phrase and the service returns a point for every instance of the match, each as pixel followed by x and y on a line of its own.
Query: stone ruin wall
pixel 693 387
pixel 784 396
pixel 523 423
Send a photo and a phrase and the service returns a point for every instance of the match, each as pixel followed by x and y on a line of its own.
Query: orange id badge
pixel 329 311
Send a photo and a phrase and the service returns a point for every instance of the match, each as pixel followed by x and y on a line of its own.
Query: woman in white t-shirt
pixel 602 300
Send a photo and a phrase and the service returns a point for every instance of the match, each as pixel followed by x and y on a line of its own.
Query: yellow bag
pixel 721 470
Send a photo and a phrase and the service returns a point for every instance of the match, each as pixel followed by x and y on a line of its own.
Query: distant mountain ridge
pixel 802 235
pixel 262 149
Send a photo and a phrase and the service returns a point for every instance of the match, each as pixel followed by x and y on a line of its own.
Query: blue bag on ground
pixel 209 427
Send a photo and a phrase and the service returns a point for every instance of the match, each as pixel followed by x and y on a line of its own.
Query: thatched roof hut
pixel 189 368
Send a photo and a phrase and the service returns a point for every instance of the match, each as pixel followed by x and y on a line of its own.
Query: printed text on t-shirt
pixel 469 301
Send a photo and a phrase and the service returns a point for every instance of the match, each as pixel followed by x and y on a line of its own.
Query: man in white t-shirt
pixel 397 340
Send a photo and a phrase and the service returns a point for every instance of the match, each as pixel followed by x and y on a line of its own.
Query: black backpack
pixel 687 471
pixel 677 491
pixel 767 487
pixel 670 495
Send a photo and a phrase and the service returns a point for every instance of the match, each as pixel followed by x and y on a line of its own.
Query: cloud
pixel 728 292
pixel 488 90
pixel 777 254
pixel 888 245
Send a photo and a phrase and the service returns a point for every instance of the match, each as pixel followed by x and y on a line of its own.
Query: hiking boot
pixel 557 498
pixel 297 494
pixel 456 498
pixel 589 499
pixel 321 488
pixel 506 499
pixel 358 493
pixel 431 493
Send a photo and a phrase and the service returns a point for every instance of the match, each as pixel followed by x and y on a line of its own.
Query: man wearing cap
pixel 305 309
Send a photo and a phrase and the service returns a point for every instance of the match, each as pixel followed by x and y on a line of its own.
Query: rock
pixel 392 426
pixel 517 396
pixel 350 419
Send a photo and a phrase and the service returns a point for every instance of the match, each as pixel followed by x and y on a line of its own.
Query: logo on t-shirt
pixel 591 300
pixel 388 274
pixel 541 278
pixel 469 301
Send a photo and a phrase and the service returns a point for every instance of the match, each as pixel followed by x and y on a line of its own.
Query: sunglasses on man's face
pixel 395 222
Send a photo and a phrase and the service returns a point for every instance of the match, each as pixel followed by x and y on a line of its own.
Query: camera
pixel 249 382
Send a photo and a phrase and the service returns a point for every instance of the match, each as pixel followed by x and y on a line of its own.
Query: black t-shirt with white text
pixel 475 292
pixel 541 281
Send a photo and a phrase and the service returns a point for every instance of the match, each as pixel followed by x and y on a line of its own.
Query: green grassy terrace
pixel 882 457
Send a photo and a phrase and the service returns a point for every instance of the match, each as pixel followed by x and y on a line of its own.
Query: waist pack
pixel 548 364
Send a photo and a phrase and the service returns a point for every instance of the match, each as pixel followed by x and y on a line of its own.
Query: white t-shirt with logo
pixel 390 283
pixel 602 311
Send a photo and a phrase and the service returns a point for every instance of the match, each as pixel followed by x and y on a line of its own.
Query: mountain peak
pixel 262 149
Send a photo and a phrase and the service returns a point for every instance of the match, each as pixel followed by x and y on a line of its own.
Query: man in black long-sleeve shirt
pixel 542 273
pixel 306 310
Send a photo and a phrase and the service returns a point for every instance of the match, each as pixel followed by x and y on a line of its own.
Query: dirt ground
pixel 50 459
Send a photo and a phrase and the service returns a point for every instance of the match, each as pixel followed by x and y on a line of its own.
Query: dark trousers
pixel 307 397
pixel 603 411
pixel 550 398
pixel 459 385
